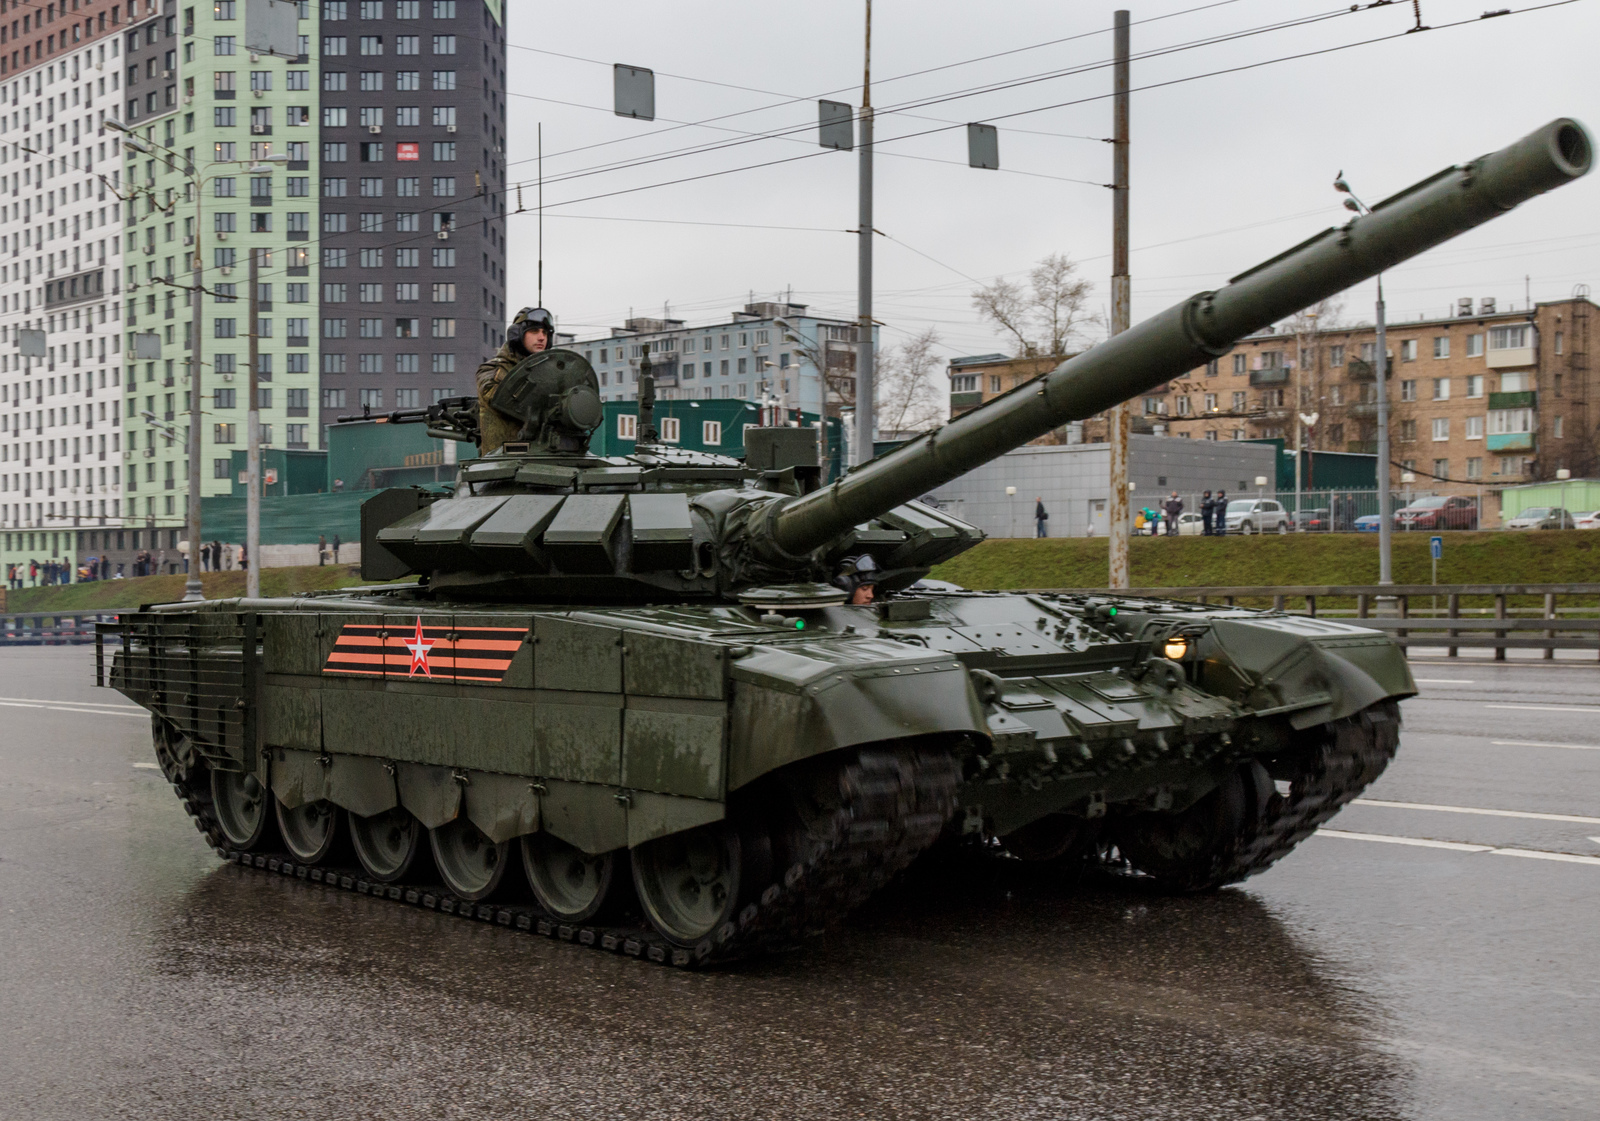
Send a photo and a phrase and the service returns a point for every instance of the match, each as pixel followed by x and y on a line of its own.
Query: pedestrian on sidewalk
pixel 335 548
pixel 322 550
pixel 1173 508
pixel 1208 507
pixel 1040 516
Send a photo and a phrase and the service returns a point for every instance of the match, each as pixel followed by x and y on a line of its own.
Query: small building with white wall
pixel 1071 480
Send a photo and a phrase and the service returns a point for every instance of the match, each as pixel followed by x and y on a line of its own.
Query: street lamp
pixel 1380 372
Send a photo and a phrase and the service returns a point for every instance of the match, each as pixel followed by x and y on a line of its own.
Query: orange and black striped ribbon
pixel 476 654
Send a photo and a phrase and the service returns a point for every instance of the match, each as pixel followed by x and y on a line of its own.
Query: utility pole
pixel 1121 297
pixel 252 470
pixel 866 423
pixel 191 587
pixel 1385 530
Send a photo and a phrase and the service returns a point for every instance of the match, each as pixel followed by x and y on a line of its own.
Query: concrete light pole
pixel 866 414
pixel 1381 372
pixel 1121 303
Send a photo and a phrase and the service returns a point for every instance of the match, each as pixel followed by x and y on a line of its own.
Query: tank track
pixel 1354 752
pixel 892 805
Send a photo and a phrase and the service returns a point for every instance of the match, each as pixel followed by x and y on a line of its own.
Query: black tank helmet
pixel 530 319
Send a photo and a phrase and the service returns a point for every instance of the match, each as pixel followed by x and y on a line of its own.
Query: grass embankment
pixel 164 589
pixel 1570 557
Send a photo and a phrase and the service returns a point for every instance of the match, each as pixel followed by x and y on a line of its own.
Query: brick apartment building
pixel 1481 397
pixel 980 378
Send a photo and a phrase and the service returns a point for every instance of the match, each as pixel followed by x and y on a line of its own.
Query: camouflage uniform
pixel 494 428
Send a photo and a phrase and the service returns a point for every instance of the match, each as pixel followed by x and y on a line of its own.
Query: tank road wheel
pixel 470 864
pixel 386 844
pixel 688 882
pixel 240 803
pixel 1185 851
pixel 309 830
pixel 569 883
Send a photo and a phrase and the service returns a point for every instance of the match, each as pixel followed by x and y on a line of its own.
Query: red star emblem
pixel 419 648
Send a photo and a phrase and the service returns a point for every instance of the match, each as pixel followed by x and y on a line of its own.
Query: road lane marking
pixel 1545 708
pixel 1528 815
pixel 1443 681
pixel 1596 840
pixel 1537 743
pixel 1454 846
pixel 1457 846
pixel 147 766
pixel 58 701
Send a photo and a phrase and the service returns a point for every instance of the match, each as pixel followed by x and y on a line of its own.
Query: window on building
pixel 1336 355
pixel 444 328
pixel 670 428
pixel 224 116
pixel 369 363
pixel 1408 391
pixel 334 329
pixel 334 221
pixel 711 433
pixel 1408 431
pixel 444 258
pixel 1441 389
pixel 1183 404
pixel 332 363
pixel 371 258
pixel 371 398
pixel 1474 426
pixel 444 363
pixel 407 293
pixel 1515 337
pixel 444 293
pixel 370 293
pixel 1510 422
pixel 1239 401
pixel 444 151
pixel 1474 346
pixel 1441 469
pixel 1239 363
pixel 223 45
pixel 444 79
pixel 1408 350
pixel 407 363
pixel 627 426
pixel 406 328
pixel 370 328
pixel 444 186
pixel 223 433
pixel 1336 395
pixel 1441 346
pixel 444 9
pixel 959 383
pixel 1560 342
pixel 408 81
pixel 1441 428
pixel 370 81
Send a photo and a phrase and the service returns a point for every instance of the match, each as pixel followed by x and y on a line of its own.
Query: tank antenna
pixel 540 301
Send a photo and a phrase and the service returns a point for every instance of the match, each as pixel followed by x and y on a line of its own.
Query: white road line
pixel 147 766
pixel 1530 816
pixel 1456 846
pixel 1443 681
pixel 1537 743
pixel 1545 708
pixel 1596 840
pixel 79 704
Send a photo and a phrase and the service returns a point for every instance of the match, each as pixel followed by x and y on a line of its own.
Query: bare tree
pixel 909 396
pixel 1308 326
pixel 1046 316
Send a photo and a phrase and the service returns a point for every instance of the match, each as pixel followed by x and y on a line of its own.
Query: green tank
pixel 627 702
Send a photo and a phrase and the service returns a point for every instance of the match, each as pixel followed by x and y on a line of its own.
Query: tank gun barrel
pixel 1193 332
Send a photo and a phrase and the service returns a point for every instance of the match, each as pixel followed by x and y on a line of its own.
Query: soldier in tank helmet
pixel 858 576
pixel 532 330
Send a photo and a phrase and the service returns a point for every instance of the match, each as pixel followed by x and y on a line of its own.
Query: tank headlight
pixel 1176 648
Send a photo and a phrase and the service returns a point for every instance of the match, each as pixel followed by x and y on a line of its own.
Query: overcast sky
pixel 1226 170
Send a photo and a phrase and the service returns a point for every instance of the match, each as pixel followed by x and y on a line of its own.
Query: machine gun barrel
pixel 451 418
pixel 1193 332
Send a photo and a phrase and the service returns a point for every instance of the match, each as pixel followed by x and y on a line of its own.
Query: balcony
pixel 966 400
pixel 1276 376
pixel 1510 442
pixel 1526 399
pixel 1359 369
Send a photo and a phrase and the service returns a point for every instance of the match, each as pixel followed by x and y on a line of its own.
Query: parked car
pixel 1312 521
pixel 1256 515
pixel 1368 523
pixel 1440 511
pixel 1589 519
pixel 1542 517
pixel 1191 525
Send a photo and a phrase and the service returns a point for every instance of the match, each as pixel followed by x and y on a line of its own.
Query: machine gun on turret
pixel 449 418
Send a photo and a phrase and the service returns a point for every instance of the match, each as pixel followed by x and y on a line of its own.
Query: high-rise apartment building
pixel 60 288
pixel 365 177
pixel 412 192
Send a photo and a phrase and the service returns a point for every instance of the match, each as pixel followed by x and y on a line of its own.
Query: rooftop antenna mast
pixel 540 301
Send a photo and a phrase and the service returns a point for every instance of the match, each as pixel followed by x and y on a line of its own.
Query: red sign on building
pixel 407 150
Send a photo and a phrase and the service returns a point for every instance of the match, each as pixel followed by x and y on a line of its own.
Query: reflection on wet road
pixel 1357 979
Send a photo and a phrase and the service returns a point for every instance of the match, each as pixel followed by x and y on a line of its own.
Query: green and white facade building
pixel 367 174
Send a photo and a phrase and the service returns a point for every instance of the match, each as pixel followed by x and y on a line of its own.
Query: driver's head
pixel 858 575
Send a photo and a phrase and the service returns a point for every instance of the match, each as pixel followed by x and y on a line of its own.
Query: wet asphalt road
pixel 1359 978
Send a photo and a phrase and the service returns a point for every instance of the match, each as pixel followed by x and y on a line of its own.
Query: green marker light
pixel 1113 610
pixel 799 624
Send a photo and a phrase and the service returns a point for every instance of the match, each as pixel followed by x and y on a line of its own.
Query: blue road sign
pixel 1437 544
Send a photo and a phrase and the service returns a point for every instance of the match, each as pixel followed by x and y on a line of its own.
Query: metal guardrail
pixel 52 628
pixel 1388 607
